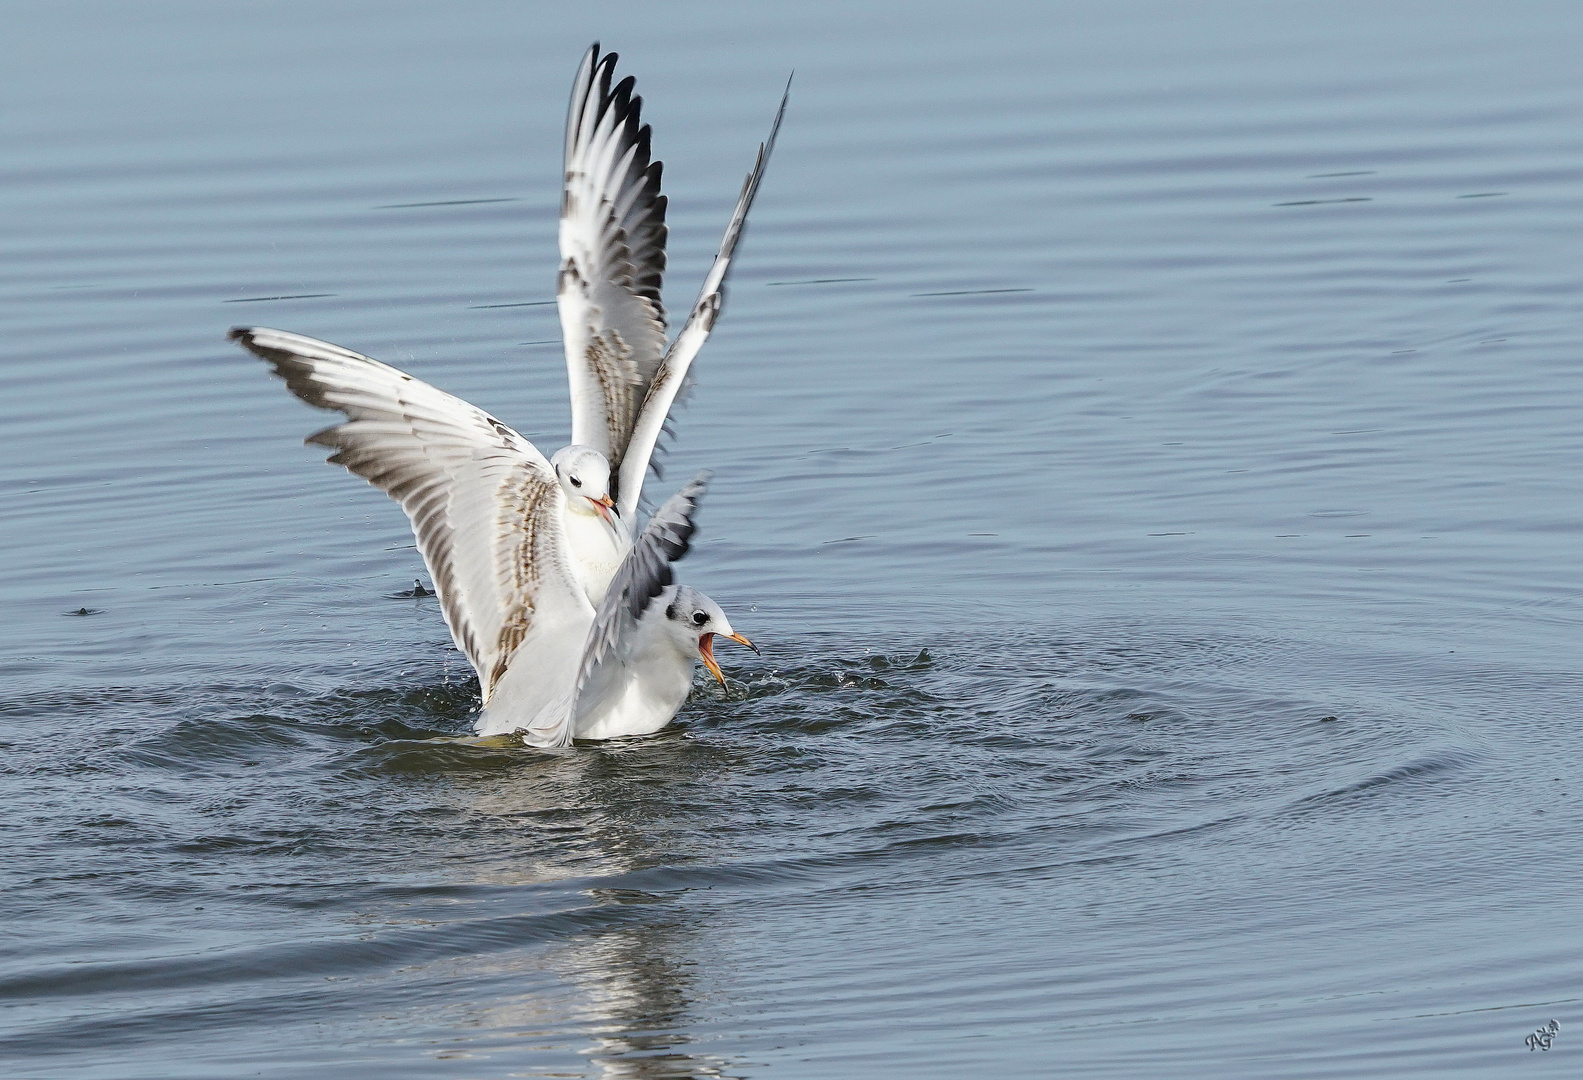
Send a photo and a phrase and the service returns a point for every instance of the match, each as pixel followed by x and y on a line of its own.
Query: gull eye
pixel 576 482
pixel 699 618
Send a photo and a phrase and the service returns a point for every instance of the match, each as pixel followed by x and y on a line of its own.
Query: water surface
pixel 1146 445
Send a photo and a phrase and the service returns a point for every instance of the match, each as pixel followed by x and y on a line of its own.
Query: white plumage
pixel 623 377
pixel 574 627
pixel 489 517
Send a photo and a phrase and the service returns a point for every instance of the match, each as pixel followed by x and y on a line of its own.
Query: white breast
pixel 597 550
pixel 640 695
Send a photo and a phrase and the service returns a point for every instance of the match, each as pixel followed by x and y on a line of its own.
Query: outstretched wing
pixel 484 503
pixel 671 377
pixel 642 575
pixel 612 240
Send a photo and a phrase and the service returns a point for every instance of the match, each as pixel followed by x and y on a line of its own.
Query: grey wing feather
pixel 483 502
pixel 612 245
pixel 674 375
pixel 643 575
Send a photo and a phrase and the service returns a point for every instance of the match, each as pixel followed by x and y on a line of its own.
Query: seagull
pixel 575 628
pixel 488 511
pixel 623 376
pixel 634 667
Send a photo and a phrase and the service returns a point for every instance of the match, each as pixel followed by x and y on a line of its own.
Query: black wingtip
pixel 780 114
pixel 237 333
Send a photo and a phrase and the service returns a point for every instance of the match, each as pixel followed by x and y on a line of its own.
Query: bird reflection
pixel 638 984
pixel 598 815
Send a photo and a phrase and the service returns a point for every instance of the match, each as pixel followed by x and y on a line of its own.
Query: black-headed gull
pixel 489 512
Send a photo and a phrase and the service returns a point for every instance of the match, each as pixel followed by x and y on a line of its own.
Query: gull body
pixel 642 695
pixel 596 539
pixel 544 583
pixel 639 692
pixel 597 547
pixel 490 516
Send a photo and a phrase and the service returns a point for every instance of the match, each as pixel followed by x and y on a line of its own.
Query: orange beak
pixel 606 506
pixel 706 653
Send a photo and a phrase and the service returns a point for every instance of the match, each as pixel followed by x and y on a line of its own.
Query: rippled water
pixel 1147 446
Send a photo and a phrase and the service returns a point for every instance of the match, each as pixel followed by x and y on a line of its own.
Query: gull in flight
pixel 575 628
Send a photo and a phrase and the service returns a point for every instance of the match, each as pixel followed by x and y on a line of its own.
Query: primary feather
pixel 624 378
pixel 484 503
pixel 612 244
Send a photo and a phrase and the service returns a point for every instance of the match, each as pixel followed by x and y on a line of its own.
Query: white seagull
pixel 624 377
pixel 488 511
pixel 574 628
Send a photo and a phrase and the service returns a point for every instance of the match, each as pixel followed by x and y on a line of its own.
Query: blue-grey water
pixel 1147 441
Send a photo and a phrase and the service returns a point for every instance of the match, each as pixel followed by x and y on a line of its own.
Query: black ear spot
pixel 670 612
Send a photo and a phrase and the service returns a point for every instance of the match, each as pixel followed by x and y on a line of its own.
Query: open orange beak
pixel 605 505
pixel 706 652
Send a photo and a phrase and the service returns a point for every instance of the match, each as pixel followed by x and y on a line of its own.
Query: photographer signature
pixel 1542 1037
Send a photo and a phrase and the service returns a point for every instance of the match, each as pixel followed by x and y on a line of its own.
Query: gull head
pixel 692 620
pixel 584 474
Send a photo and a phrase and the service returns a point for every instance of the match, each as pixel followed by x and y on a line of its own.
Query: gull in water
pixel 488 511
pixel 575 628
pixel 624 377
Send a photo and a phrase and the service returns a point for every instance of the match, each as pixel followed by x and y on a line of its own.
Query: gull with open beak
pixel 531 556
pixel 494 520
pixel 631 667
pixel 634 683
pixel 702 617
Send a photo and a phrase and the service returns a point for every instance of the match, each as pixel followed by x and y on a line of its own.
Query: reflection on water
pixel 629 986
pixel 637 984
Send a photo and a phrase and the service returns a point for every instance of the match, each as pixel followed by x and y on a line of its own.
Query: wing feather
pixel 612 244
pixel 644 573
pixel 540 696
pixel 483 501
pixel 672 377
